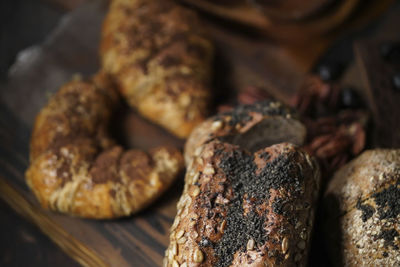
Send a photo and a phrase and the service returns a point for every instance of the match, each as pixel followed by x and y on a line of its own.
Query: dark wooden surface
pixel 139 240
pixel 21 243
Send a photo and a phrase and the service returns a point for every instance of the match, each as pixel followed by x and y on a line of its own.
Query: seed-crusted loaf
pixel 362 211
pixel 245 204
pixel 254 126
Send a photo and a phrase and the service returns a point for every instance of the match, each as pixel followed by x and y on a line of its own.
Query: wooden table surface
pixel 22 244
pixel 25 24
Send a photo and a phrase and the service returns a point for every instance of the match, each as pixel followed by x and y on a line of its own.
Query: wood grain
pixel 67 242
pixel 23 244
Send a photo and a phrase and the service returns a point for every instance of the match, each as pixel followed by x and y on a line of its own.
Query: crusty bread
pixel 256 126
pixel 158 53
pixel 362 211
pixel 77 169
pixel 245 204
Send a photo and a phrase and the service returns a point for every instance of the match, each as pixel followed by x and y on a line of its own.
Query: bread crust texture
pixel 246 202
pixel 160 56
pixel 362 211
pixel 78 169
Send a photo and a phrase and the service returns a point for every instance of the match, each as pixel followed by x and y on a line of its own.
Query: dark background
pixel 24 23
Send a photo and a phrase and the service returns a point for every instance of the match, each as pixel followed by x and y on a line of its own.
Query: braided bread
pixel 161 60
pixel 246 202
pixel 76 168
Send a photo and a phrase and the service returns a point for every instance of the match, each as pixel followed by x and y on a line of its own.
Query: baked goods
pixel 159 55
pixel 362 211
pixel 244 204
pixel 257 126
pixel 76 168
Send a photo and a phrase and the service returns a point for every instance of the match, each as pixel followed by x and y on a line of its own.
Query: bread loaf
pixel 252 126
pixel 246 202
pixel 362 211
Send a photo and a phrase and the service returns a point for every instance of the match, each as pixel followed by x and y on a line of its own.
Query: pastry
pixel 159 56
pixel 76 168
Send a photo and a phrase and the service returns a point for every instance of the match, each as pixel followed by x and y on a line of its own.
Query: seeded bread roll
pixel 362 211
pixel 244 204
pixel 76 168
pixel 161 59
pixel 256 126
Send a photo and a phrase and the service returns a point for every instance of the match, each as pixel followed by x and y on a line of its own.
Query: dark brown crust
pixel 362 211
pixel 76 168
pixel 245 207
pixel 158 53
pixel 255 126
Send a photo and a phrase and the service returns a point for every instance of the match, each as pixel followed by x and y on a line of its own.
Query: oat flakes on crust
pixel 246 201
pixel 158 53
pixel 76 168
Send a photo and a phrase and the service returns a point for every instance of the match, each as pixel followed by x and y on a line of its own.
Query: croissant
pixel 76 168
pixel 160 57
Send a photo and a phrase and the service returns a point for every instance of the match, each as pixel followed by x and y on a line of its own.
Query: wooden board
pixel 139 240
pixel 24 245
